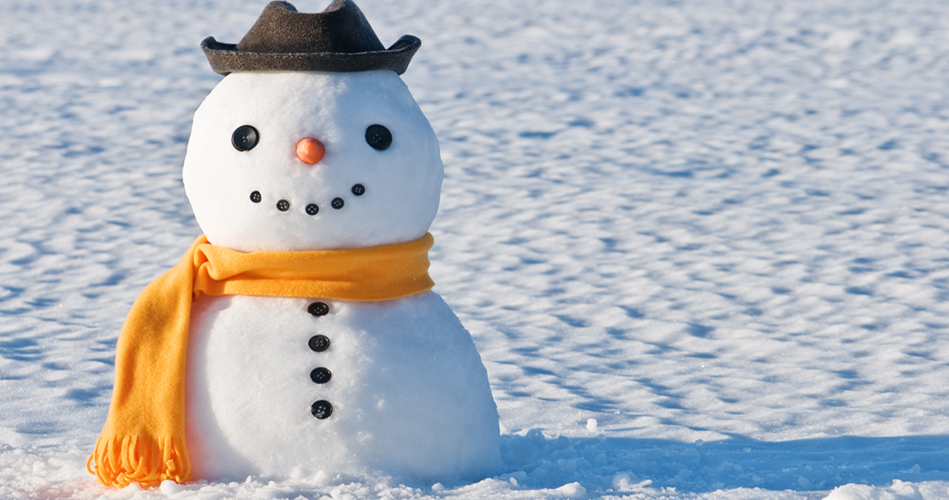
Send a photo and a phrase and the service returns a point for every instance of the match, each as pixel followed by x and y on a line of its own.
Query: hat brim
pixel 226 59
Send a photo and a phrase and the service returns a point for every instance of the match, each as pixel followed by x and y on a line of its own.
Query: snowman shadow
pixel 627 464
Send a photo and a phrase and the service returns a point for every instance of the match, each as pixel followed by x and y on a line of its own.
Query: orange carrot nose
pixel 310 151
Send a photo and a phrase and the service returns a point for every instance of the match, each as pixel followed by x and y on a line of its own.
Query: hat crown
pixel 341 28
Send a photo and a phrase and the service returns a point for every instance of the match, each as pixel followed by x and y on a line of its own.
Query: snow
pixel 716 227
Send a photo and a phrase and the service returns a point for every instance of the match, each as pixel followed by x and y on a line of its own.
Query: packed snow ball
pixel 377 181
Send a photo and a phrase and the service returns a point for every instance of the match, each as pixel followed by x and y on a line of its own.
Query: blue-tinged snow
pixel 718 228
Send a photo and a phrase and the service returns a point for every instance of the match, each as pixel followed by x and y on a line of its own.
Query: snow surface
pixel 717 227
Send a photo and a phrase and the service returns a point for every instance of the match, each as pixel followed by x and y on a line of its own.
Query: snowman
pixel 299 336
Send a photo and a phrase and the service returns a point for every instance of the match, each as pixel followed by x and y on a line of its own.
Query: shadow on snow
pixel 804 465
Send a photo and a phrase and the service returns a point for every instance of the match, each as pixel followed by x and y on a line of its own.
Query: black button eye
pixel 378 137
pixel 245 138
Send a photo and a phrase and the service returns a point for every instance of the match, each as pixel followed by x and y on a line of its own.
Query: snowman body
pixel 408 390
pixel 314 387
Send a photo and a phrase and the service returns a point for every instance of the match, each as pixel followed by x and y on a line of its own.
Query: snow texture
pixel 717 227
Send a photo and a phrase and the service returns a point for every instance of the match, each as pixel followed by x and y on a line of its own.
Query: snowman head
pixel 311 141
pixel 299 160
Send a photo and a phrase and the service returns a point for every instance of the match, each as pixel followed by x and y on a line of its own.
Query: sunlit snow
pixel 702 245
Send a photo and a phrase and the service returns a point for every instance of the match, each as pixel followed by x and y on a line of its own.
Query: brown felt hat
pixel 337 39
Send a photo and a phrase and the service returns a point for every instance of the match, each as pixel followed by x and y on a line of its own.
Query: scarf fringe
pixel 122 460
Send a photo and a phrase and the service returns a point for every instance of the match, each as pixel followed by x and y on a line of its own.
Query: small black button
pixel 312 209
pixel 359 189
pixel 337 203
pixel 320 375
pixel 283 205
pixel 318 309
pixel 255 197
pixel 319 343
pixel 321 409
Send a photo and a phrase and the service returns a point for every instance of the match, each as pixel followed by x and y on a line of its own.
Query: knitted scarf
pixel 143 439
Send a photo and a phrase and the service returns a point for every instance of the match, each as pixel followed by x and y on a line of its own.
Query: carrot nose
pixel 310 151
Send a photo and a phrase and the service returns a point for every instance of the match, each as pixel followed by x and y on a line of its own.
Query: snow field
pixel 720 221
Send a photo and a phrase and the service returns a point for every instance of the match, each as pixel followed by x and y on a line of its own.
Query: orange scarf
pixel 143 439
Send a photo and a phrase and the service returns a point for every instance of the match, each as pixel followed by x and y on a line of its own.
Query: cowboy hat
pixel 338 39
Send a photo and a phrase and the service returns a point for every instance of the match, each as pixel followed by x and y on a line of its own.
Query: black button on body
pixel 359 189
pixel 283 205
pixel 321 409
pixel 321 375
pixel 337 203
pixel 318 309
pixel 255 197
pixel 312 209
pixel 319 343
